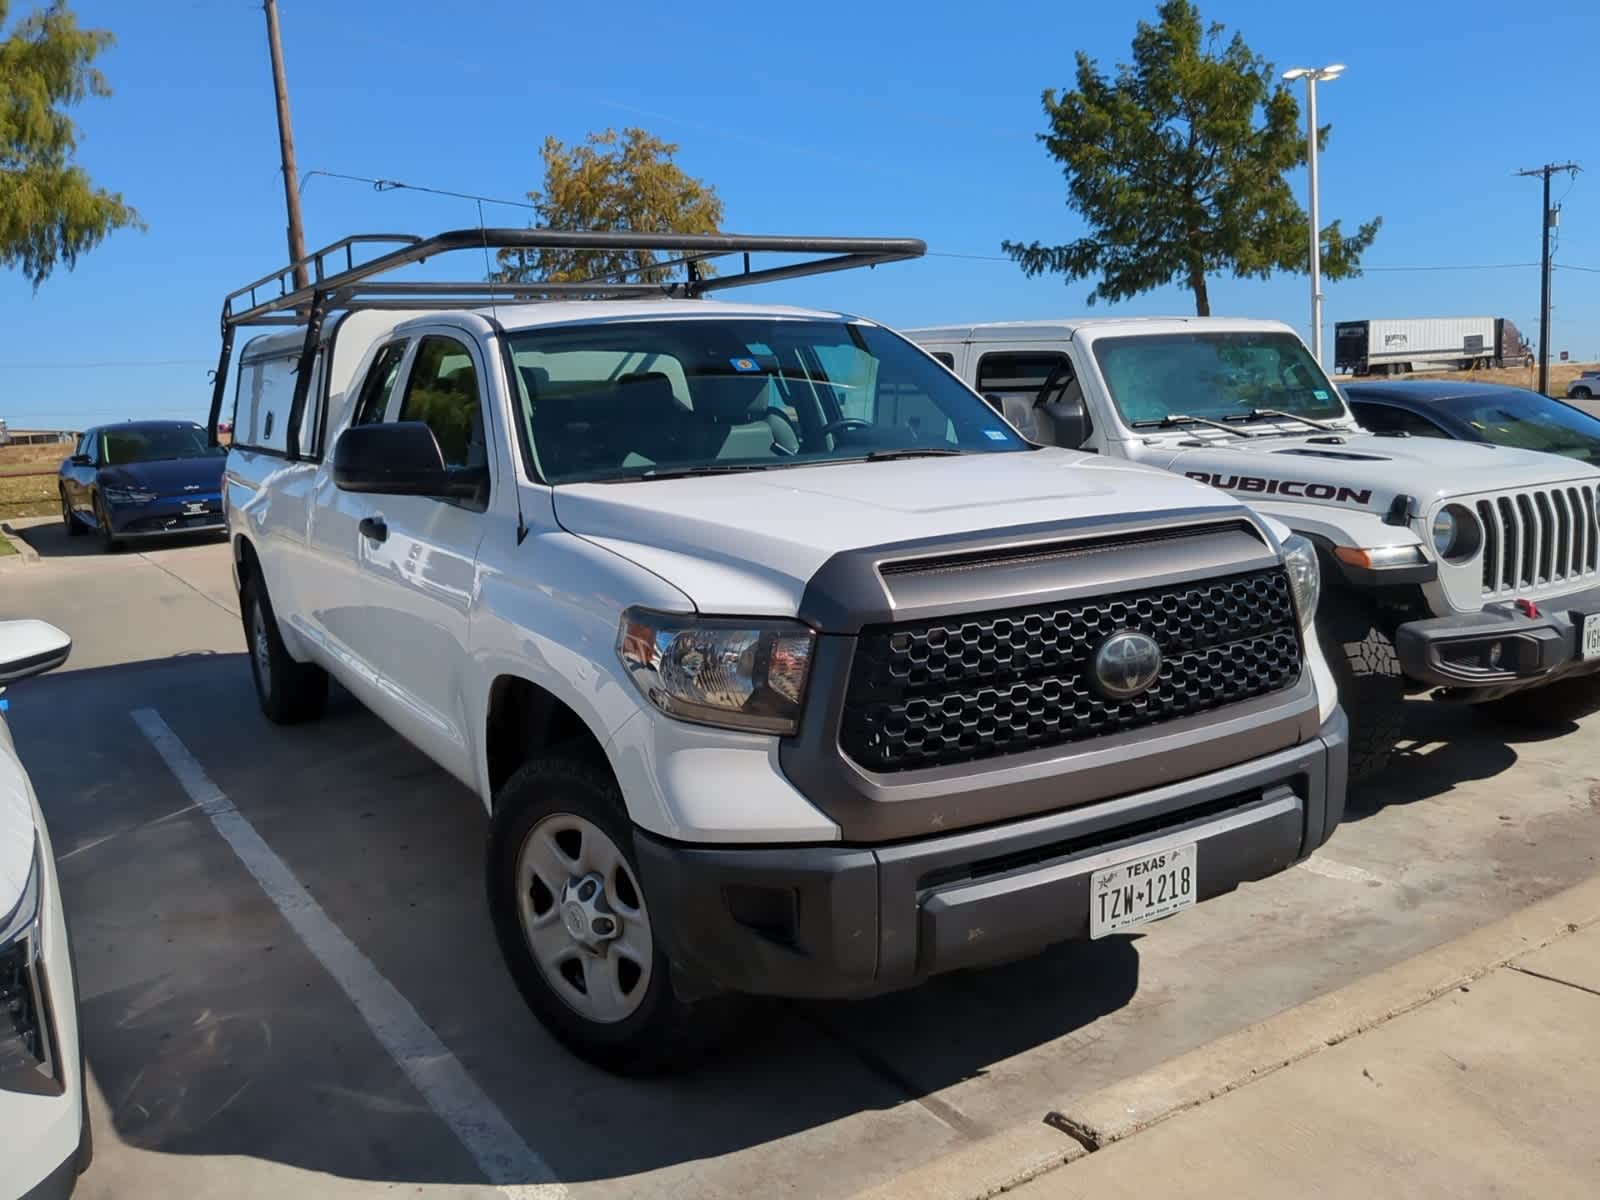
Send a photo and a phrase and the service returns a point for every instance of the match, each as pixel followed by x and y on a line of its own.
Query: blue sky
pixel 886 118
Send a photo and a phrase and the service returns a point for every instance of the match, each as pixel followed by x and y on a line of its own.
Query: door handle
pixel 375 528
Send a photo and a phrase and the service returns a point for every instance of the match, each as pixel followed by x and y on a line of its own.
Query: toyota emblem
pixel 1125 664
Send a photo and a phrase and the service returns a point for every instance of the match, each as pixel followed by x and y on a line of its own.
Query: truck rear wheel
pixel 1554 704
pixel 289 692
pixel 1372 687
pixel 574 924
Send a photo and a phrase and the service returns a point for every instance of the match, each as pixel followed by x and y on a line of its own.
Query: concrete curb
pixel 1001 1162
pixel 24 552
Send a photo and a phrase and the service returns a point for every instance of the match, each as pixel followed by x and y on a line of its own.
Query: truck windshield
pixel 640 399
pixel 1529 421
pixel 1216 375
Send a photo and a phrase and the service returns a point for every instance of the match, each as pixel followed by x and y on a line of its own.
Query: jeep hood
pixel 750 542
pixel 1363 470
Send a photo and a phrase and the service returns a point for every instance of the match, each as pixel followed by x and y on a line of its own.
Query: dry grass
pixel 1561 374
pixel 37 457
pixel 28 479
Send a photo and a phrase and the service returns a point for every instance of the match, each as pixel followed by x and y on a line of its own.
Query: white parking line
pixel 502 1155
pixel 1326 867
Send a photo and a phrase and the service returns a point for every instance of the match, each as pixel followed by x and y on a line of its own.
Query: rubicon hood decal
pixel 1297 488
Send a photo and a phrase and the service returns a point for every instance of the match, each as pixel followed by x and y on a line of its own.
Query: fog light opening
pixel 1496 652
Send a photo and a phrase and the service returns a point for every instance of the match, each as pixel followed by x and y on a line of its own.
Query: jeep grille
pixel 1532 539
pixel 969 687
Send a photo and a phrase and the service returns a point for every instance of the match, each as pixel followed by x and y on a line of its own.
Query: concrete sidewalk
pixel 1471 1070
pixel 1489 1090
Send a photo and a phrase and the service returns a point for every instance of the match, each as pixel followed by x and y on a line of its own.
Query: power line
pixel 106 364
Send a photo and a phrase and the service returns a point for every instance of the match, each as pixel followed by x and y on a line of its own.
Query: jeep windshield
pixel 643 399
pixel 1217 376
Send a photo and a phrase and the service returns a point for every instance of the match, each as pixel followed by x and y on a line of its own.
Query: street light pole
pixel 1311 75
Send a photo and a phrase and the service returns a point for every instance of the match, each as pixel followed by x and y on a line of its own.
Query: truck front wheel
pixel 574 924
pixel 1366 668
pixel 289 691
pixel 1554 704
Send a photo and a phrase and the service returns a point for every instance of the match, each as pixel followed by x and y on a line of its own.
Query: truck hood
pixel 1363 470
pixel 749 543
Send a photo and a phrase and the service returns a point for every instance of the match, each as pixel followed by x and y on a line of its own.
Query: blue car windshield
pixel 153 443
pixel 629 400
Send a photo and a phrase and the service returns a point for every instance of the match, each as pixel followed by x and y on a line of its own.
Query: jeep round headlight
pixel 1305 576
pixel 1456 533
pixel 726 671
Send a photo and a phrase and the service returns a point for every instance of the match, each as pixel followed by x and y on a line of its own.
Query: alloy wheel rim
pixel 583 918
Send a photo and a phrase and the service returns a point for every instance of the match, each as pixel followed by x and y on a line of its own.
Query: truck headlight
pixel 724 671
pixel 27 1053
pixel 1305 576
pixel 1456 533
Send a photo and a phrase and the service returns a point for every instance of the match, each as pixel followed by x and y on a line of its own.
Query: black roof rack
pixel 341 282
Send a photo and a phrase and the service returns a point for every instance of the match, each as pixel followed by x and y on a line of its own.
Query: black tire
pixel 108 540
pixel 1366 668
pixel 1581 393
pixel 70 518
pixel 289 692
pixel 663 1031
pixel 1549 707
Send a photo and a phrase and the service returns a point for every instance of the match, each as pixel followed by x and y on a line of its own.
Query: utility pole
pixel 291 190
pixel 1546 222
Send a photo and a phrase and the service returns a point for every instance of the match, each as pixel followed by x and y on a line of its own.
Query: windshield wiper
pixel 1256 414
pixel 1167 422
pixel 911 452
pixel 685 472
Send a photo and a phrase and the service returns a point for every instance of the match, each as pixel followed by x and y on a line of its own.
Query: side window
pixel 1015 383
pixel 946 358
pixel 1383 418
pixel 373 399
pixel 442 392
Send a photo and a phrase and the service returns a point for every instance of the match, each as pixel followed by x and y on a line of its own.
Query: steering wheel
pixel 845 424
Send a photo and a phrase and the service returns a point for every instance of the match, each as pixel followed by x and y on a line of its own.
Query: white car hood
pixel 16 824
pixel 1366 471
pixel 749 543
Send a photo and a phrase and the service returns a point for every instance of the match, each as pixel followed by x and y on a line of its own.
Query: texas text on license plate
pixel 1589 641
pixel 1142 889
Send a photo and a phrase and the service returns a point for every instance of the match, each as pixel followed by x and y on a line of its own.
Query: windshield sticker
pixel 759 348
pixel 745 364
pixel 1297 488
pixel 1319 394
pixel 995 435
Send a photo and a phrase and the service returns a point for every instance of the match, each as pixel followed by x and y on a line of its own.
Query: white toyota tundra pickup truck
pixel 782 663
pixel 1465 571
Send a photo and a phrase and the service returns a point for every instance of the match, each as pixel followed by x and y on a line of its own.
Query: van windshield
pixel 1217 375
pixel 651 399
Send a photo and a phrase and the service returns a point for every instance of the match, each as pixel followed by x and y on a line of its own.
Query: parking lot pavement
pixel 226 1056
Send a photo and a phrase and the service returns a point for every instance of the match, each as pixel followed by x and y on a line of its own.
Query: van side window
pixel 946 358
pixel 376 388
pixel 442 392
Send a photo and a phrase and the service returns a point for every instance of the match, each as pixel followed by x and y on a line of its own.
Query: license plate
pixel 1589 646
pixel 1142 890
pixel 194 508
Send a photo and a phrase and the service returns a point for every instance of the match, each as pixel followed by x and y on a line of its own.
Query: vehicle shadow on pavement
pixel 211 1030
pixel 50 539
pixel 1444 745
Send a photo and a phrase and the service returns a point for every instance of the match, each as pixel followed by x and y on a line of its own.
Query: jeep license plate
pixel 1142 890
pixel 1589 645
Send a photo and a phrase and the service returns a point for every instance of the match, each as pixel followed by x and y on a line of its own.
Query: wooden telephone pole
pixel 1546 222
pixel 291 177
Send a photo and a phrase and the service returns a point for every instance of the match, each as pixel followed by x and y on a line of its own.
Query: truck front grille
pixel 976 686
pixel 1537 538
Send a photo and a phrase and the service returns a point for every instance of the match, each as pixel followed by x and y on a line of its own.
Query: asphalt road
pixel 227 1058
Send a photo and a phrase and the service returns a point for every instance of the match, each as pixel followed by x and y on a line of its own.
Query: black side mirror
pixel 81 460
pixel 401 458
pixel 1069 421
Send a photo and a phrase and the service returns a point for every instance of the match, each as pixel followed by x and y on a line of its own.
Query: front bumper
pixel 168 515
pixel 1460 651
pixel 855 920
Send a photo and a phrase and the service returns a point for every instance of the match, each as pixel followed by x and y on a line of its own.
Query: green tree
pixel 1178 168
pixel 612 182
pixel 50 210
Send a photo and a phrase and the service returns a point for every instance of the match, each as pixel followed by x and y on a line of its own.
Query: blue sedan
pixel 1476 412
pixel 143 479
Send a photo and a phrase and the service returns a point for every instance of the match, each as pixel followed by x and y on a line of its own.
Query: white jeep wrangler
pixel 1468 571
pixel 782 664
